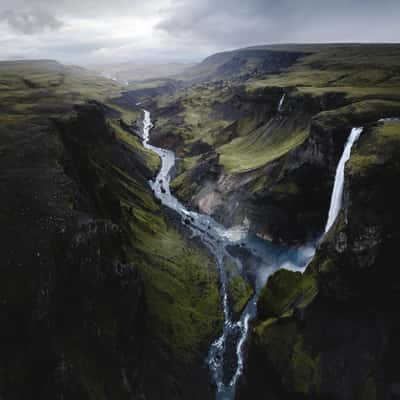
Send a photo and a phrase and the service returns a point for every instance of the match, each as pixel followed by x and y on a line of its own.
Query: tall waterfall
pixel 280 105
pixel 337 194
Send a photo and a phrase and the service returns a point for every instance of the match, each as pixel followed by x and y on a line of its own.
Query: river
pixel 255 259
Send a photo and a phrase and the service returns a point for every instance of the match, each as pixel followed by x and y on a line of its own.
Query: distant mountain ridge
pixel 241 63
pixel 267 59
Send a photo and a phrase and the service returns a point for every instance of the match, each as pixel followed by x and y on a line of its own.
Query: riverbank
pixel 227 351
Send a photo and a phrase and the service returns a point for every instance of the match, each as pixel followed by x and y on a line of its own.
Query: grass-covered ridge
pixel 183 311
pixel 259 153
pixel 380 146
pixel 195 113
pixel 364 78
pixel 284 348
pixel 263 145
pixel 356 70
pixel 285 291
pixel 180 278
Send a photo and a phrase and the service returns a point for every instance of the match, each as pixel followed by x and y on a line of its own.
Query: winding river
pixel 255 260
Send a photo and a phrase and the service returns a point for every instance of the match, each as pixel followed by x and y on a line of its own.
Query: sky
pixel 88 32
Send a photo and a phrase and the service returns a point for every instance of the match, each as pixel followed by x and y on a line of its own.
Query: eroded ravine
pixel 255 259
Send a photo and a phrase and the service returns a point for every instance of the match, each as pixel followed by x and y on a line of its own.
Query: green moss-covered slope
pixel 274 166
pixel 101 292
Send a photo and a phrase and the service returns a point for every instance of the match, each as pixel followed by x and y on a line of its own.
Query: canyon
pixel 197 250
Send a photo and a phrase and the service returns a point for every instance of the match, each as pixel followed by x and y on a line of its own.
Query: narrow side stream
pixel 256 259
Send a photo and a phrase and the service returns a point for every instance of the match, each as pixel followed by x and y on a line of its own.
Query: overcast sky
pixel 106 31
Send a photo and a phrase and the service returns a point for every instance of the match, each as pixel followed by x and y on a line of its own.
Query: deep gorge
pixel 194 266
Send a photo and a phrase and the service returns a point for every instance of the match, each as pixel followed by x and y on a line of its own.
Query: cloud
pixel 270 21
pixel 85 31
pixel 88 8
pixel 30 22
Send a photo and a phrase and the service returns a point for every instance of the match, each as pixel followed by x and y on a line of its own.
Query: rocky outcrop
pixel 284 199
pixel 236 64
pixel 130 98
pixel 79 319
pixel 332 333
pixel 271 62
pixel 72 307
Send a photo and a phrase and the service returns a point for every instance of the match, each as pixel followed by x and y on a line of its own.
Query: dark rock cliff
pixel 80 313
pixel 332 333
pixel 286 198
pixel 72 309
pixel 241 64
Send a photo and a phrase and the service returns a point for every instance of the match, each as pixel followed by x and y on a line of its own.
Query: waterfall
pixel 337 193
pixel 281 102
pixel 390 119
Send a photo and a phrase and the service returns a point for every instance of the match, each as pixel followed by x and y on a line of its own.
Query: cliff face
pixel 101 297
pixel 290 164
pixel 241 64
pixel 332 333
pixel 65 282
pixel 271 140
pixel 272 167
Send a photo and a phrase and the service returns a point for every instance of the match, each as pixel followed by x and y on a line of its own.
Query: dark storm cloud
pixel 30 22
pixel 80 8
pixel 103 30
pixel 239 22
